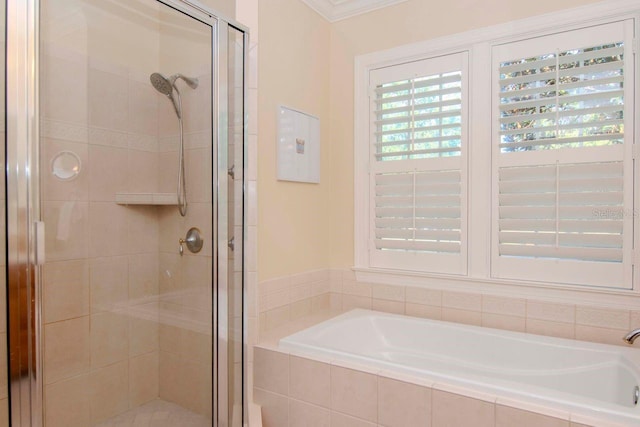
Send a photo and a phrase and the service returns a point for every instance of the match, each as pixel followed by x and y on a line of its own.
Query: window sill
pixel 610 298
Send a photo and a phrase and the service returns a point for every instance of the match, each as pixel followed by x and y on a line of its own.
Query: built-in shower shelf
pixel 159 199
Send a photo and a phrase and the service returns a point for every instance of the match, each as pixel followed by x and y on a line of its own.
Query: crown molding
pixel 336 10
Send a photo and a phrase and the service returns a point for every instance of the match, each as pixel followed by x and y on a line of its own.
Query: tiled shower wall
pixel 100 355
pixel 126 318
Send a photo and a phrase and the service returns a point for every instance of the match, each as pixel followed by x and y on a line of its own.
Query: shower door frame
pixel 23 214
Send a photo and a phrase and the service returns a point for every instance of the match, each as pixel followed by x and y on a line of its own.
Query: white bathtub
pixel 578 377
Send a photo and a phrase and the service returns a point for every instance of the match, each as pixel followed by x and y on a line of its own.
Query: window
pixel 494 159
pixel 563 177
pixel 417 176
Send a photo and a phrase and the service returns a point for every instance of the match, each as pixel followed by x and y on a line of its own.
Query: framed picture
pixel 298 146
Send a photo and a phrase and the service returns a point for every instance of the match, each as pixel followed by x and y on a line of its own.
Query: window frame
pixel 479 44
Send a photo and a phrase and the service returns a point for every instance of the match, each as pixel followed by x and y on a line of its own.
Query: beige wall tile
pixel 388 306
pixel 142 229
pixel 300 309
pixel 109 339
pixel 551 311
pixel 108 172
pixel 66 290
pixel 341 420
pixel 319 303
pixel 310 381
pixel 354 393
pixel 143 105
pixel 509 323
pixel 67 235
pixel 108 229
pixel 423 296
pixel 426 311
pixel 504 306
pixel 461 316
pixel 275 408
pixel 351 287
pixel 549 328
pixel 462 301
pixel 142 171
pixel 109 283
pixel 143 336
pixel 388 292
pixel 601 335
pixel 509 417
pixel 603 318
pixel 108 100
pixel 143 379
pixel 109 391
pixel 196 347
pixel 195 388
pixel 64 89
pixel 271 370
pixel 403 404
pixel 303 414
pixel 197 170
pixel 66 349
pixel 171 377
pixel 453 410
pixel 143 275
pixel 67 403
pixel 350 302
pixel 276 317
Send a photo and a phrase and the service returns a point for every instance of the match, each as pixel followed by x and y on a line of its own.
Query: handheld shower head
pixel 165 86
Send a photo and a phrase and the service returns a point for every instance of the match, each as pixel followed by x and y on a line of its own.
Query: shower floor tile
pixel 157 413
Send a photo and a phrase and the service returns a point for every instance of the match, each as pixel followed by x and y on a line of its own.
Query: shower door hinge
pixel 39 242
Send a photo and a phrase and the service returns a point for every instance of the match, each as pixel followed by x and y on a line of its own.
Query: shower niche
pixel 140 112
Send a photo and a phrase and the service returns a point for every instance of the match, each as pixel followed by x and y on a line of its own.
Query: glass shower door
pixel 126 172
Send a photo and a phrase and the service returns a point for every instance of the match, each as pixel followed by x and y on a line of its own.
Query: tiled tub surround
pixel 285 299
pixel 288 298
pixel 277 374
pixel 570 376
pixel 298 390
pixel 599 324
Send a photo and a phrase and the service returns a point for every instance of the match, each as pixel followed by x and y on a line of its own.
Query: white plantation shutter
pixel 563 186
pixel 417 174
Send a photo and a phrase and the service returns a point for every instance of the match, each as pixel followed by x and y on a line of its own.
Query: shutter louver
pixel 419 118
pixel 563 189
pixel 573 98
pixel 418 189
pixel 569 211
pixel 418 211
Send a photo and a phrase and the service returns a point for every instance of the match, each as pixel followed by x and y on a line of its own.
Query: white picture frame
pixel 298 146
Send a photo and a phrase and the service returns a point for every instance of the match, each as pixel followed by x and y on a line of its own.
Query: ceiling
pixel 335 10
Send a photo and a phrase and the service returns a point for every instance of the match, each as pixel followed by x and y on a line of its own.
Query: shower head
pixel 165 86
pixel 162 84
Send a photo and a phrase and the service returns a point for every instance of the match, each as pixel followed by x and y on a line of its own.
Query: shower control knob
pixel 193 240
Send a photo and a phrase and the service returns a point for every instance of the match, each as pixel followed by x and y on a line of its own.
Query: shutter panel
pixel 418 189
pixel 562 182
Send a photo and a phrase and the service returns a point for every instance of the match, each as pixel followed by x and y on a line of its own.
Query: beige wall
pixel 412 21
pixel 226 7
pixel 295 228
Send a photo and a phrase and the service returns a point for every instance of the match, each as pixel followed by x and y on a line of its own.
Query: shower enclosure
pixel 125 138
